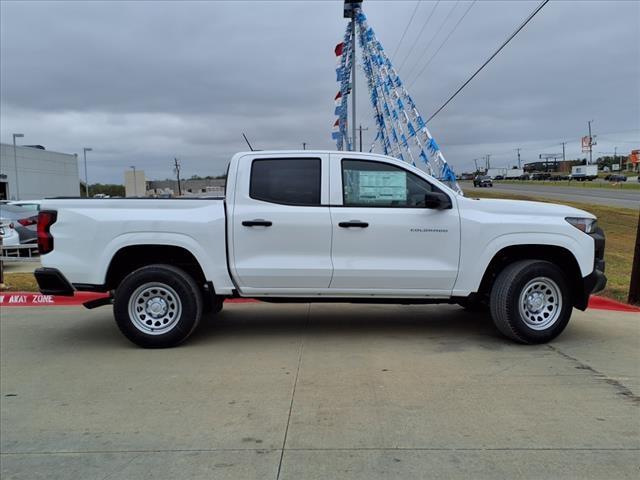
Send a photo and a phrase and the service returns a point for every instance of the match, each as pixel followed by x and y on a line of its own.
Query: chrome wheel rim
pixel 154 308
pixel 540 303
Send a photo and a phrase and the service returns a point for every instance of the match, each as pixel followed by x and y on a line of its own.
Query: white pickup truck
pixel 312 226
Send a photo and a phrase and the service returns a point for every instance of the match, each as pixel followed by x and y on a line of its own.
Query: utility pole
pixel 518 150
pixel 563 157
pixel 488 161
pixel 86 176
pixel 475 160
pixel 176 169
pixel 590 144
pixel 361 129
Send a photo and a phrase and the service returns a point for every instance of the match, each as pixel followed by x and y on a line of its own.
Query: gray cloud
pixel 142 82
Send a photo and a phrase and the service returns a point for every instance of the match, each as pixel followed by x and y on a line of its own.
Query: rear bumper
pixel 52 282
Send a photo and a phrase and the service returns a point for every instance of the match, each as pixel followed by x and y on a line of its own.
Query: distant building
pixel 188 187
pixel 40 173
pixel 551 166
pixel 135 183
pixel 633 161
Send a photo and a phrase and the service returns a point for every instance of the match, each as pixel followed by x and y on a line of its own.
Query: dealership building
pixel 29 173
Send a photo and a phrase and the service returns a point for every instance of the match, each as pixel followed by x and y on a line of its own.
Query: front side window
pixel 291 181
pixel 376 184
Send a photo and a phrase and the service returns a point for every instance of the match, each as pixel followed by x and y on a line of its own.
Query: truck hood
pixel 524 207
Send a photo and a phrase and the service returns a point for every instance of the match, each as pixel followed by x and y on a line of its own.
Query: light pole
pixel 15 162
pixel 86 177
pixel 135 184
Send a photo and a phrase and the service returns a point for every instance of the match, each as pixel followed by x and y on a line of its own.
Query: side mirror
pixel 437 200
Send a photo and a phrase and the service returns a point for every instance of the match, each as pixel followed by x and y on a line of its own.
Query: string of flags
pixel 344 57
pixel 401 130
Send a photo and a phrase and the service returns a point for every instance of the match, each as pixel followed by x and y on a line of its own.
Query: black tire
pixel 179 316
pixel 520 323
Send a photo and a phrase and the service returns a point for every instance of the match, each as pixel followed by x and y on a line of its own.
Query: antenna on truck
pixel 247 140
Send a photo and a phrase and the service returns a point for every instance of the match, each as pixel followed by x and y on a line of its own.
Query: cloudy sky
pixel 142 82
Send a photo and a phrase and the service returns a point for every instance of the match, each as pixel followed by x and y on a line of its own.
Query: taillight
pixel 25 222
pixel 46 218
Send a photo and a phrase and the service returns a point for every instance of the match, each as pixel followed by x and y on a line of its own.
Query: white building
pixel 135 183
pixel 40 173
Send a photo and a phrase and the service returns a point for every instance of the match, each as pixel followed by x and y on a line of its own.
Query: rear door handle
pixel 353 223
pixel 258 222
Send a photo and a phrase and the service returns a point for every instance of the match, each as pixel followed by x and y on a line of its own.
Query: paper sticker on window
pixel 382 186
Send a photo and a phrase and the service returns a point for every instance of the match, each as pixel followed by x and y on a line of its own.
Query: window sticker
pixel 382 186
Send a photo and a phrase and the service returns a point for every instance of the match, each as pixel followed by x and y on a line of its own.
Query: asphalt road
pixel 323 391
pixel 598 196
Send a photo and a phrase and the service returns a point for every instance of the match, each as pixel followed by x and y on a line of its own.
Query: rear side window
pixel 291 181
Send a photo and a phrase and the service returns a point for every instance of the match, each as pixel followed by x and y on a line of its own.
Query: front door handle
pixel 353 223
pixel 258 222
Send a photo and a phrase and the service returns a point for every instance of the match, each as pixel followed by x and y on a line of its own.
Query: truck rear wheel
pixel 531 301
pixel 157 306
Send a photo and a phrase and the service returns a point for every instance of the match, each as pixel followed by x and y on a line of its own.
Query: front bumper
pixel 596 280
pixel 52 282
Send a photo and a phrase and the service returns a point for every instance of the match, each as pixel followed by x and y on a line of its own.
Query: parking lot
pixel 319 391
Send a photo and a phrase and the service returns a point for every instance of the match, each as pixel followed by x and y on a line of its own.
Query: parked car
pixel 616 178
pixel 499 177
pixel 24 221
pixel 524 176
pixel 482 181
pixel 8 234
pixel 541 176
pixel 322 226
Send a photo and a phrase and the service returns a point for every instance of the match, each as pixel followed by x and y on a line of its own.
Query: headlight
pixel 587 225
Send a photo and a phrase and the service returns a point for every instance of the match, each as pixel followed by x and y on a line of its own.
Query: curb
pixel 602 303
pixel 30 299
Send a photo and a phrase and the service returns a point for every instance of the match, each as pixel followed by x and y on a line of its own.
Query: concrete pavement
pixel 598 196
pixel 320 391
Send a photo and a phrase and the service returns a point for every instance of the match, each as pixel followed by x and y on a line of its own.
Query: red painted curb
pixel 602 303
pixel 30 299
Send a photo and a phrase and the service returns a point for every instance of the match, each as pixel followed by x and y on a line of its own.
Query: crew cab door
pixel 384 238
pixel 280 226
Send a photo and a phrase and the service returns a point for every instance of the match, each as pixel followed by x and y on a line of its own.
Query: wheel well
pixel 128 259
pixel 559 256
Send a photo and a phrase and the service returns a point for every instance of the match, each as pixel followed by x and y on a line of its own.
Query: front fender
pixel 474 261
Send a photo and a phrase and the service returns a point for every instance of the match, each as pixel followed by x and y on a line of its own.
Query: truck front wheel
pixel 531 301
pixel 157 306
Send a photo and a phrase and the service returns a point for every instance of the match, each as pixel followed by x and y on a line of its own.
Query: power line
pixel 424 25
pixel 433 37
pixel 406 28
pixel 455 27
pixel 504 44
